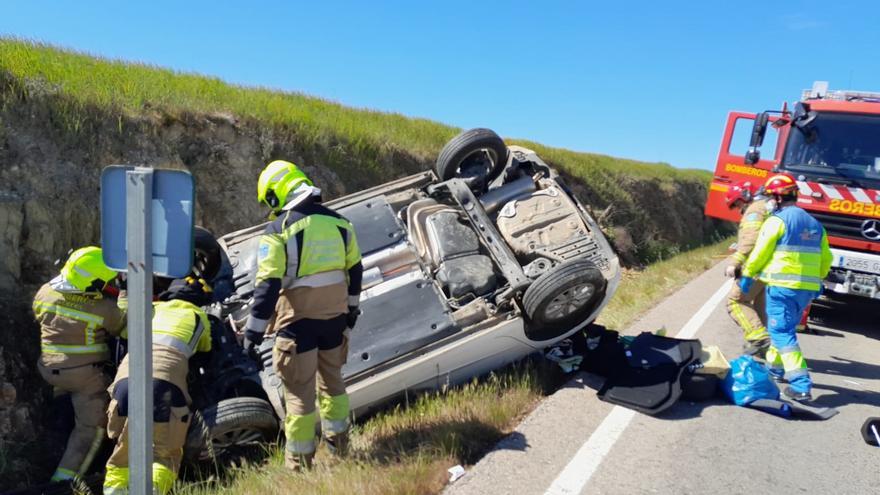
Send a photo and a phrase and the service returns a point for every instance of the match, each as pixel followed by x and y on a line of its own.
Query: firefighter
pixel 309 265
pixel 180 330
pixel 75 318
pixel 747 308
pixel 792 257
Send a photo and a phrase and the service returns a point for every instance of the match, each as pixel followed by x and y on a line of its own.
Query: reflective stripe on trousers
pixel 784 310
pixel 300 433
pixel 116 479
pixel 747 310
pixel 334 413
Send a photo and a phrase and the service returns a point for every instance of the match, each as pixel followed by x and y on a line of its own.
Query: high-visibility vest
pixel 75 323
pixel 792 251
pixel 181 325
pixel 312 250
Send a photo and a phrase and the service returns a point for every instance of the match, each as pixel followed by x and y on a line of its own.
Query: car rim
pixel 232 439
pixel 477 166
pixel 569 301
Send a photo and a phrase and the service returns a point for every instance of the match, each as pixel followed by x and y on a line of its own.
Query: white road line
pixel 693 325
pixel 575 476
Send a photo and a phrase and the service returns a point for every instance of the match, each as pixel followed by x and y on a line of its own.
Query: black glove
pixel 352 316
pixel 252 339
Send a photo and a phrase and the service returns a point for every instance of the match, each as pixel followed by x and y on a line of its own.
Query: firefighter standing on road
pixel 75 319
pixel 747 308
pixel 792 257
pixel 180 330
pixel 309 256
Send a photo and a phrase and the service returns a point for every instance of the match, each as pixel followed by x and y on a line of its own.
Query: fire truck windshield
pixel 838 148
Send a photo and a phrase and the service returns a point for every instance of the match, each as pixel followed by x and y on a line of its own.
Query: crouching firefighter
pixel 747 308
pixel 309 274
pixel 75 318
pixel 180 330
pixel 791 256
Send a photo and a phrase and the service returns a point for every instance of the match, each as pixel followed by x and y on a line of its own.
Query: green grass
pixel 134 87
pixel 407 450
pixel 641 289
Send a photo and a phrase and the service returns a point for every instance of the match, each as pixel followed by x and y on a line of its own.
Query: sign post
pixel 139 194
pixel 151 235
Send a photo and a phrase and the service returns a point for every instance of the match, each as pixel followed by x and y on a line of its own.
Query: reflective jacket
pixel 791 251
pixel 749 227
pixel 74 327
pixel 308 246
pixel 180 329
pixel 181 325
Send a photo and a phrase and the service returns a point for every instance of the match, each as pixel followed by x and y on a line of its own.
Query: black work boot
pixel 337 444
pixel 298 462
pixel 788 393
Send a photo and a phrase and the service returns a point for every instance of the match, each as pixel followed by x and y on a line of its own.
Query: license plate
pixel 859 264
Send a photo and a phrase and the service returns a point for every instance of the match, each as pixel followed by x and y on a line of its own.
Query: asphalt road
pixel 574 443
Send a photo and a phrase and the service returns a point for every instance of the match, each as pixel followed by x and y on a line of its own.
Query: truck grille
pixel 846 226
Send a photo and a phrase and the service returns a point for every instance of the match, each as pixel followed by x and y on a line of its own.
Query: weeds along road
pixel 574 443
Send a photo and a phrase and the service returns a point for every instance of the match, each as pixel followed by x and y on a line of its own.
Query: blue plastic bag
pixel 748 381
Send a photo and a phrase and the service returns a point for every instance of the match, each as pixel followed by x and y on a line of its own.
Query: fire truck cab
pixel 830 142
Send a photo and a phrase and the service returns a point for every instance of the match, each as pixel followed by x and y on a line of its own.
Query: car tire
pixel 463 151
pixel 208 256
pixel 562 297
pixel 231 429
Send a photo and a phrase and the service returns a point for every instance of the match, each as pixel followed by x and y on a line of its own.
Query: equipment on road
pixel 871 431
pixel 827 150
pixel 788 409
pixel 652 380
pixel 748 381
pixel 751 384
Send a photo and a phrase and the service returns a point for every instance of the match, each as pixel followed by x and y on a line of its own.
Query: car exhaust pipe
pixel 493 200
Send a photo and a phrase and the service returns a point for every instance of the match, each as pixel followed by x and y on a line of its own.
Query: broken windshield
pixel 836 148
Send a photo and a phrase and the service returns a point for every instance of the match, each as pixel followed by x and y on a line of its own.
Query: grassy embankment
pixel 407 450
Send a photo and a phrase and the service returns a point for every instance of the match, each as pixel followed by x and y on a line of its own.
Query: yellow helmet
pixel 276 181
pixel 86 266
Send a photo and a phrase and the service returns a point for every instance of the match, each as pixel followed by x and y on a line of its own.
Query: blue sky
pixel 645 80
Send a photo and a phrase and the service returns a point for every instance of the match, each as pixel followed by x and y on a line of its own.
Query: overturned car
pixel 468 267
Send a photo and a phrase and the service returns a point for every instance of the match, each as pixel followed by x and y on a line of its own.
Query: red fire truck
pixel 829 141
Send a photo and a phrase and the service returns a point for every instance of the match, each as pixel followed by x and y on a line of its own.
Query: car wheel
pixel 562 297
pixel 230 430
pixel 477 156
pixel 208 257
